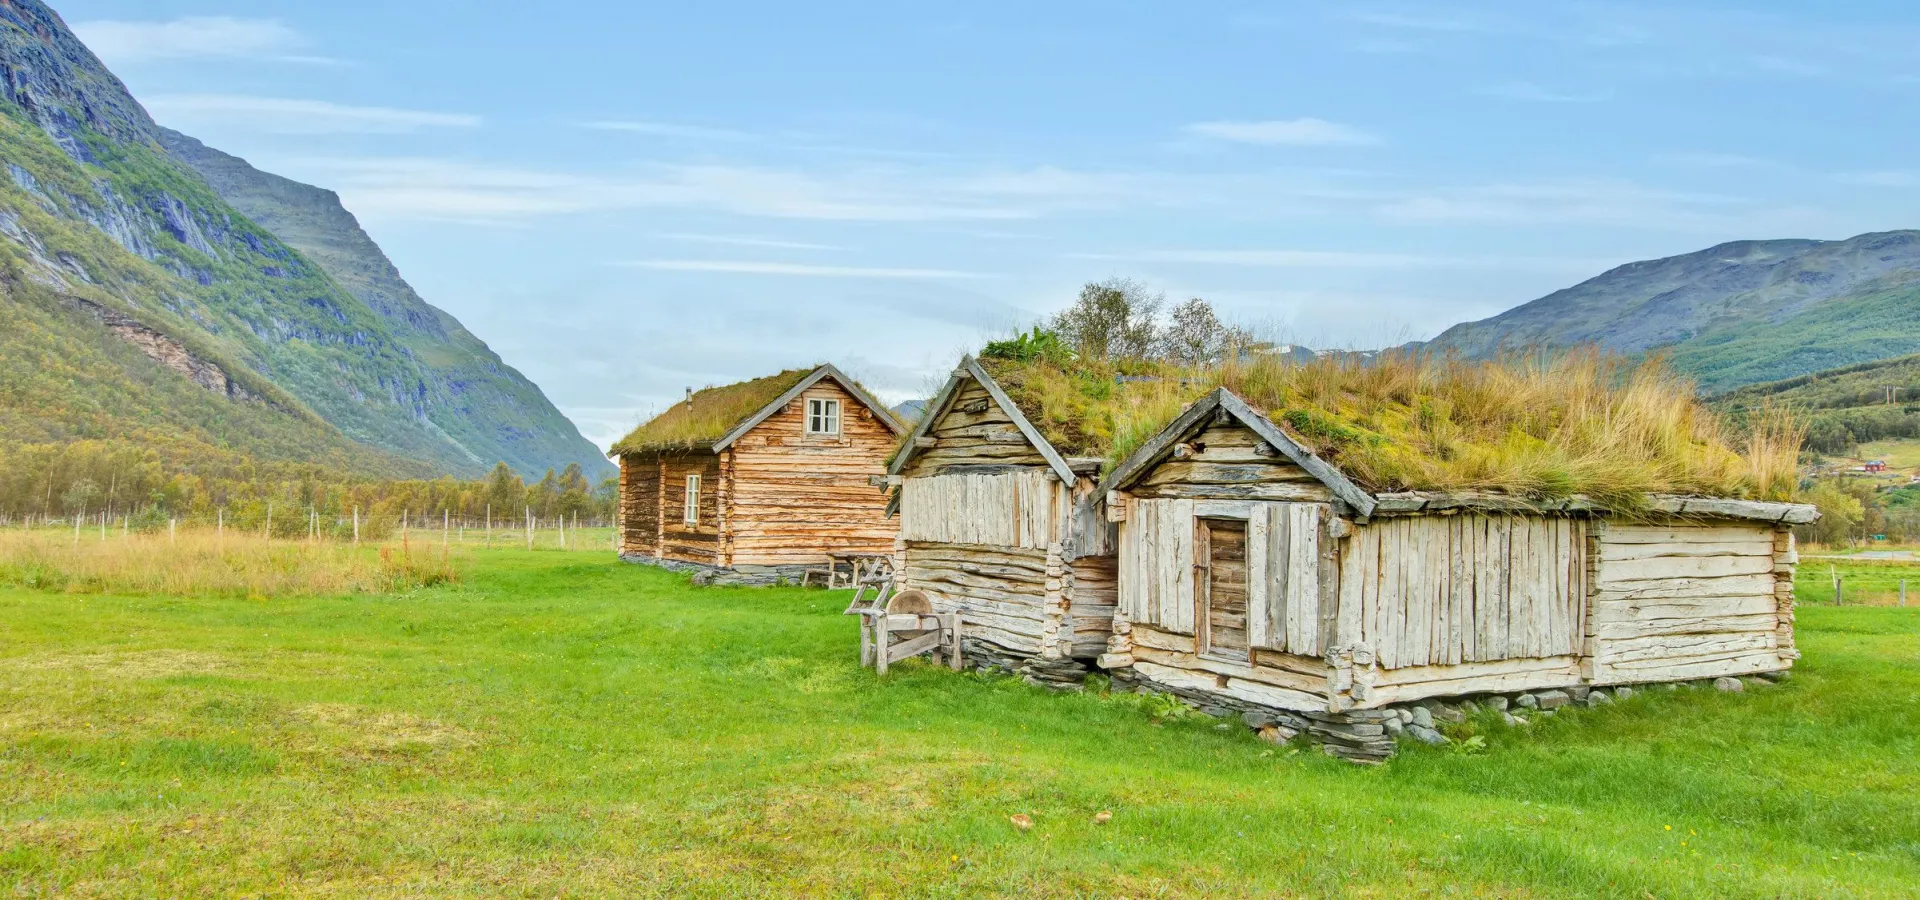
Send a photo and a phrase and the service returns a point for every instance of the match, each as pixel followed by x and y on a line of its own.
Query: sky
pixel 626 199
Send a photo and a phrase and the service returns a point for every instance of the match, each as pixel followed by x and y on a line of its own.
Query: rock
pixel 1496 703
pixel 1599 698
pixel 1426 735
pixel 1553 699
pixel 1218 712
pixel 1450 714
pixel 1579 693
pixel 1623 692
pixel 1257 720
pixel 1728 685
pixel 1277 734
pixel 1527 701
pixel 1777 677
pixel 1422 717
pixel 1394 728
pixel 1512 719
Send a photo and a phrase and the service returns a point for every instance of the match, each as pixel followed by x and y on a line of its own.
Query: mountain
pixel 121 266
pixel 479 401
pixel 1845 407
pixel 1735 314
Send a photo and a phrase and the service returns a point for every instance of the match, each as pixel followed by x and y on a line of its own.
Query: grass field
pixel 557 724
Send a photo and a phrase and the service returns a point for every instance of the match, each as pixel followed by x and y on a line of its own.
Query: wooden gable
pixel 973 426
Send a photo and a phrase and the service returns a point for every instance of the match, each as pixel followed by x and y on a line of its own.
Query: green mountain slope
pixel 97 212
pixel 470 394
pixel 1733 314
pixel 1843 407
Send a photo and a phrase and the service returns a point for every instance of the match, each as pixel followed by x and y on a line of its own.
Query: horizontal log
pixel 1668 568
pixel 1475 670
pixel 1649 611
pixel 1684 670
pixel 1758 545
pixel 1284 490
pixel 1625 653
pixel 1763 621
pixel 1147 636
pixel 1682 589
pixel 1510 682
pixel 1190 662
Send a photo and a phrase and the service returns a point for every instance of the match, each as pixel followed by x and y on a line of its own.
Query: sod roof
pixel 1578 424
pixel 709 414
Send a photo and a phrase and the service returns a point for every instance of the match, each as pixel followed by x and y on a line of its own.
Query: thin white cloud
pixel 121 41
pixel 1891 178
pixel 755 267
pixel 1533 93
pixel 745 241
pixel 1307 132
pixel 1341 259
pixel 441 189
pixel 671 130
pixel 283 115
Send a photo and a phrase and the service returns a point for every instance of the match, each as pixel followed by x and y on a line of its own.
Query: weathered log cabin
pixel 997 524
pixel 757 482
pixel 1257 578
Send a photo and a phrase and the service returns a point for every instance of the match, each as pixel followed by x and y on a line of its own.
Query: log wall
pixel 1001 592
pixel 1230 462
pixel 640 505
pixel 1091 594
pixel 1674 602
pixel 794 497
pixel 700 542
pixel 974 431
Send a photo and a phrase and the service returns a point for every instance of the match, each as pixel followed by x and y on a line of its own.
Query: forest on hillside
pixel 124 485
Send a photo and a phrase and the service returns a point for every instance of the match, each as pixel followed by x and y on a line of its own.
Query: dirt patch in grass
pixel 374 729
pixel 131 664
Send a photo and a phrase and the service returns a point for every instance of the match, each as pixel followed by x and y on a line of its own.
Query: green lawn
pixel 562 725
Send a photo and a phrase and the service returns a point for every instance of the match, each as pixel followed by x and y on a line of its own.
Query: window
pixel 691 514
pixel 823 416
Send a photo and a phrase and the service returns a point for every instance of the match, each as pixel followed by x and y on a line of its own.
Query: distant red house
pixel 1875 465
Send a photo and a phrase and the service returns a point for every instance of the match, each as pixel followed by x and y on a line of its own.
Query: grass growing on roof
pixel 709 414
pixel 1578 423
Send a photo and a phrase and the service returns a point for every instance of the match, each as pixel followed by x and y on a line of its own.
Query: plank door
pixel 1221 554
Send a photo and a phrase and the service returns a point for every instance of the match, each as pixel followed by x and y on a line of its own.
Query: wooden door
pixel 1221 556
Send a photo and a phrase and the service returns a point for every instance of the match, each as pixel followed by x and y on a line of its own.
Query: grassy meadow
pixel 558 724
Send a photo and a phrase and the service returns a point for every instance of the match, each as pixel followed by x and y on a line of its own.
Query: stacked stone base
pixel 1371 735
pixel 1359 735
pixel 738 576
pixel 1058 674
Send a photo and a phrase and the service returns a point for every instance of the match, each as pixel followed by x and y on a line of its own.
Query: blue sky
pixel 626 199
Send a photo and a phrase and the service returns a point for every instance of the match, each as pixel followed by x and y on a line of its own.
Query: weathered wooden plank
pixel 1675 568
pixel 1262 622
pixel 1303 581
pixel 1628 533
pixel 1760 544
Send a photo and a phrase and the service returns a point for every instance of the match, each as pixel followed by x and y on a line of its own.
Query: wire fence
pixel 526 531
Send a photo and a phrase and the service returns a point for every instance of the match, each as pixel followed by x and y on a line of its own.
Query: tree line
pixel 134 487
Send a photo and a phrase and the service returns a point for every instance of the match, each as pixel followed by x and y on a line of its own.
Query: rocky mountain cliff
pixel 1734 314
pixel 106 236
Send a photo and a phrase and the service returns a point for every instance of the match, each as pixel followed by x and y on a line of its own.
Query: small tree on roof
pixel 1112 319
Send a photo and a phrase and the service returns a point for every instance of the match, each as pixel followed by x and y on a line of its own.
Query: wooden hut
pixel 1256 578
pixel 997 524
pixel 759 481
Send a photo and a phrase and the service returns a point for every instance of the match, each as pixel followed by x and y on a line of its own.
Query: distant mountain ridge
pixel 1733 314
pixel 480 402
pixel 107 238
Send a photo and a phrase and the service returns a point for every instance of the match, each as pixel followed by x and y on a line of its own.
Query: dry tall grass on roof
pixel 1579 423
pixel 709 414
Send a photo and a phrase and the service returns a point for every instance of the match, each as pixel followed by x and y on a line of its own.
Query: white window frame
pixel 690 511
pixel 824 415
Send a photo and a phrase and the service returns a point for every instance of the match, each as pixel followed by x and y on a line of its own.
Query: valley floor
pixel 562 725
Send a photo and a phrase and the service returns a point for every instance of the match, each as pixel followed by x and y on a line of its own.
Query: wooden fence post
pixel 356 526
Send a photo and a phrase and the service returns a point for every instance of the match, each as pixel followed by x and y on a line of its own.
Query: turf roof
pixel 709 414
pixel 1546 428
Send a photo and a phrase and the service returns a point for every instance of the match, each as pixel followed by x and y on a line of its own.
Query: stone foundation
pixel 1057 674
pixel 1371 735
pixel 738 576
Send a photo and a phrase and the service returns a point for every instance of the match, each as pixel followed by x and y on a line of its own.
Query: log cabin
pixel 999 522
pixel 1257 578
pixel 757 482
